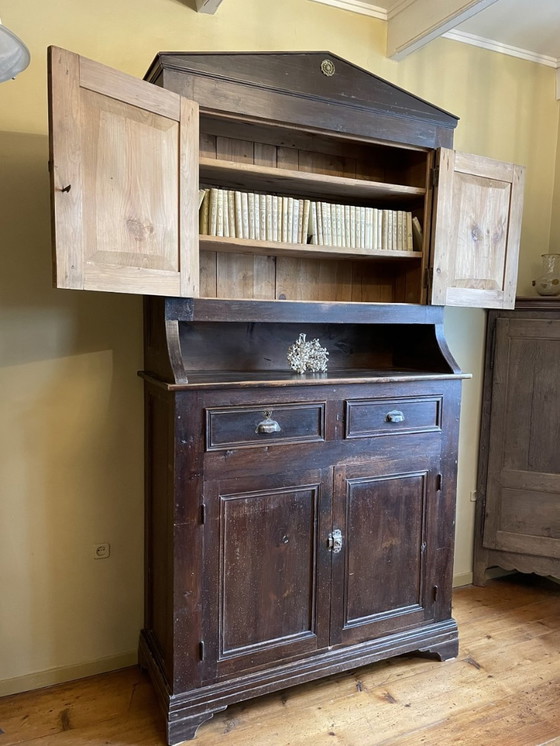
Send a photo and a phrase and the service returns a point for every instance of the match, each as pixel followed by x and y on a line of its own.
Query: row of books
pixel 269 217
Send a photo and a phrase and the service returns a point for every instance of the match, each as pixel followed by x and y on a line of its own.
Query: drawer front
pixel 369 417
pixel 252 427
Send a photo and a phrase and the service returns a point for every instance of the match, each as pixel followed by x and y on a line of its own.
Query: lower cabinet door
pixel 267 570
pixel 382 573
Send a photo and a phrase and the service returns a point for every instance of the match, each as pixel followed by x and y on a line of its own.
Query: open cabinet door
pixel 475 248
pixel 124 181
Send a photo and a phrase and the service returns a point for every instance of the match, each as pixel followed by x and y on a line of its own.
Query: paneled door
pixel 477 226
pixel 523 487
pixel 382 576
pixel 267 567
pixel 124 181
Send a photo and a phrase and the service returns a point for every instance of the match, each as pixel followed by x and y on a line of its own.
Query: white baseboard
pixel 463 578
pixel 66 673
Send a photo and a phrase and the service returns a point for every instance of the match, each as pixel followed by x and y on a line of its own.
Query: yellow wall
pixel 71 405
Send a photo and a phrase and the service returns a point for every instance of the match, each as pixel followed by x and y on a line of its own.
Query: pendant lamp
pixel 14 55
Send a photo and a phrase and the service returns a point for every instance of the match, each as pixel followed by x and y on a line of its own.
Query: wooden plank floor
pixel 503 690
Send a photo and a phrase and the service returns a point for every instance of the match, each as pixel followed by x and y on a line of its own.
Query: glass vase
pixel 549 282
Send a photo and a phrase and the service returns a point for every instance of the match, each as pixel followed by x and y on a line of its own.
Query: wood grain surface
pixel 503 689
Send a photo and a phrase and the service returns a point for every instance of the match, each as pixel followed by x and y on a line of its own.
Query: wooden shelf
pixel 246 176
pixel 275 378
pixel 302 251
pixel 285 311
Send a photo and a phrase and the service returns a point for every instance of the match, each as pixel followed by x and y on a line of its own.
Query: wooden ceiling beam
pixel 413 24
pixel 208 6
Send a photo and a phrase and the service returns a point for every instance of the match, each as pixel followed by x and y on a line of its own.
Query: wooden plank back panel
pixel 245 275
pixel 208 260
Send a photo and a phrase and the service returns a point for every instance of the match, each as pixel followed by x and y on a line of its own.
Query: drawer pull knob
pixel 268 425
pixel 395 415
pixel 334 542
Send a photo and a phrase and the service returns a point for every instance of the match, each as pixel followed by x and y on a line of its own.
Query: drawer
pixel 369 417
pixel 255 426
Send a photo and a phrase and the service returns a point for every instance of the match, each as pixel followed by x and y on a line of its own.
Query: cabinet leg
pixel 480 566
pixel 186 728
pixel 444 651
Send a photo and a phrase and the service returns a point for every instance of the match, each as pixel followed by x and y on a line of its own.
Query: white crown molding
pixel 356 6
pixel 496 46
pixel 414 24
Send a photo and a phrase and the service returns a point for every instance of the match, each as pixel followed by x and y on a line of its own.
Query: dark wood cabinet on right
pixel 518 510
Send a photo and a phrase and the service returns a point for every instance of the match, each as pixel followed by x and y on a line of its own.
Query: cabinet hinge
pixel 439 482
pixel 493 347
pixel 435 592
pixel 203 513
pixel 201 650
pixel 435 176
pixel 429 279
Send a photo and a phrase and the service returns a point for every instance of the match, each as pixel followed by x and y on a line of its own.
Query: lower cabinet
pixel 293 534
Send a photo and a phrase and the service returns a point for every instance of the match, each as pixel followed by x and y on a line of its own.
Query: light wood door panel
pixel 476 231
pixel 124 172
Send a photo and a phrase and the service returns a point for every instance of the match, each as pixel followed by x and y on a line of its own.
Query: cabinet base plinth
pixel 186 711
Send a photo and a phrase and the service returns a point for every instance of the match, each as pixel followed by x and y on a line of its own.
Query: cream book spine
pixel 353 226
pixel 251 209
pixel 305 221
pixel 231 213
pixel 313 226
pixel 204 213
pixel 245 214
pixel 262 217
pixel 275 213
pixel 238 214
pixel 375 229
pixel 368 239
pixel 268 218
pixel 300 229
pixel 213 219
pixel 294 236
pixel 284 219
pixel 326 216
pixel 409 238
pixel 225 213
pixel 417 234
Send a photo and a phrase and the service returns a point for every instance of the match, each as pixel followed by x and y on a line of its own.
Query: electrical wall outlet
pixel 101 551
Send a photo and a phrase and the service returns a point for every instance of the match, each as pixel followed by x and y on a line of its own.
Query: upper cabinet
pixel 293 176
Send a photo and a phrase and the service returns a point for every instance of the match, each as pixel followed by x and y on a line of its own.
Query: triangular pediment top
pixel 321 75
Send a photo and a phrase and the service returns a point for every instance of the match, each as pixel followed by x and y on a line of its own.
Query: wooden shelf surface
pixel 281 378
pixel 245 176
pixel 302 251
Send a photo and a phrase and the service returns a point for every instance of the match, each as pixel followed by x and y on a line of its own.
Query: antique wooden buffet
pixel 296 524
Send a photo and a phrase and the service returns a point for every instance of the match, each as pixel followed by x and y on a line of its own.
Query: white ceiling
pixel 530 25
pixel 523 28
